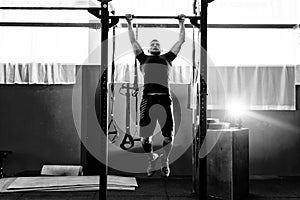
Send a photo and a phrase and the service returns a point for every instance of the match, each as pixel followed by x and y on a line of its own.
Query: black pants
pixel 153 109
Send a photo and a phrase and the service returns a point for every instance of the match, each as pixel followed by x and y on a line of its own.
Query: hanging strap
pixel 112 130
pixel 136 85
pixel 128 140
pixel 191 103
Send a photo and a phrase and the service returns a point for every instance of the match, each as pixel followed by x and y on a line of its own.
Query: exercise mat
pixel 65 183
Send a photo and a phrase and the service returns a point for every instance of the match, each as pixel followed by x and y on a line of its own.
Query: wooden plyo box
pixel 228 163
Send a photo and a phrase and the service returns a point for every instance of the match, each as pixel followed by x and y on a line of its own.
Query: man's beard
pixel 155 53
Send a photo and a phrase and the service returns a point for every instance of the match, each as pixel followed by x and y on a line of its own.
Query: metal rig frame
pixel 108 21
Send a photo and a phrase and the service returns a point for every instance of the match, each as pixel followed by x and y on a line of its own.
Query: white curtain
pixel 297 41
pixel 257 87
pixel 297 76
pixel 37 73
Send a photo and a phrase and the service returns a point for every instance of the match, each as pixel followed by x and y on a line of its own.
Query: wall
pixel 274 140
pixel 274 143
pixel 36 123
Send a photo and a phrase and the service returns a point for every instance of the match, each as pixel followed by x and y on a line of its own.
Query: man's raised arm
pixel 177 46
pixel 135 45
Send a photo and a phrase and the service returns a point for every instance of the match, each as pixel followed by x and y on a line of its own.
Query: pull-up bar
pixel 97 25
pixel 51 24
pixel 45 8
pixel 156 17
pixel 216 26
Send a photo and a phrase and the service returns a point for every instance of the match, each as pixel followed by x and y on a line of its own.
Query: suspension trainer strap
pixel 128 140
pixel 136 84
pixel 112 130
pixel 191 86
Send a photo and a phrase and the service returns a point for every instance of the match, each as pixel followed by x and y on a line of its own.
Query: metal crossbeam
pixel 46 8
pixel 253 26
pixel 149 25
pixel 51 24
pixel 157 17
pixel 225 26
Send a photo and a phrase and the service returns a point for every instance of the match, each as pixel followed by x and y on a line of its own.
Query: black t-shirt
pixel 156 71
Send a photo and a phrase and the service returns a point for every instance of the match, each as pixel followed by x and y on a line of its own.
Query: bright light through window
pixel 236 108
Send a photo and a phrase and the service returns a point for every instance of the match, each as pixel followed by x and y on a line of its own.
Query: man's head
pixel 154 47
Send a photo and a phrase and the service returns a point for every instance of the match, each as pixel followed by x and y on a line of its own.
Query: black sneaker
pixel 151 165
pixel 165 169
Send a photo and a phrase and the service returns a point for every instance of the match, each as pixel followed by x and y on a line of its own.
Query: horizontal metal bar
pixel 254 26
pixel 45 8
pixel 87 25
pixel 156 17
pixel 233 26
pixel 49 24
pixel 148 25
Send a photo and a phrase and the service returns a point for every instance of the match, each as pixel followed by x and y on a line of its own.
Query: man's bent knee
pixel 168 140
pixel 146 139
pixel 147 144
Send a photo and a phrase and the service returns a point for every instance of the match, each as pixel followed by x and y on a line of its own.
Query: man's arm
pixel 135 45
pixel 177 46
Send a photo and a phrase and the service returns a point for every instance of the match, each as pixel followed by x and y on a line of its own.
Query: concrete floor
pixel 280 188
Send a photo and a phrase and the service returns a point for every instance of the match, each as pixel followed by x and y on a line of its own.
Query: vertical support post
pixel 103 99
pixel 203 100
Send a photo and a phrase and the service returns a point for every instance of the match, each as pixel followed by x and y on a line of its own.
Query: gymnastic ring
pixel 124 144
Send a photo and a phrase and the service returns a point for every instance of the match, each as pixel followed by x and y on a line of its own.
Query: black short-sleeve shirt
pixel 155 69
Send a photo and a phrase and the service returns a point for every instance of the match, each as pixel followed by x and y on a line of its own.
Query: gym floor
pixel 278 188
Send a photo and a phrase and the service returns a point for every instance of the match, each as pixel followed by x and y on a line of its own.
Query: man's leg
pixel 148 147
pixel 152 157
pixel 167 146
pixel 147 126
pixel 168 133
pixel 164 158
